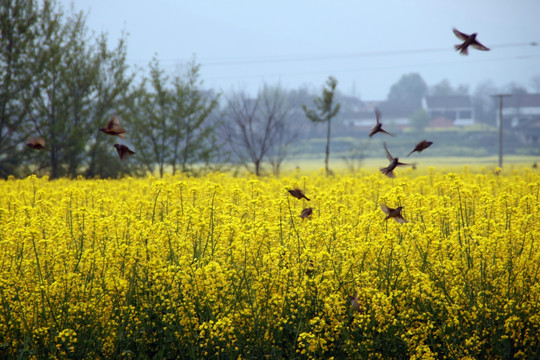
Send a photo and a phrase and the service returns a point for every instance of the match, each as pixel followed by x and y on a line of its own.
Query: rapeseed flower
pixel 224 267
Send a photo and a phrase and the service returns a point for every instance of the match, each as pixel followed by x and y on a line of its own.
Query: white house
pixel 452 110
pixel 522 112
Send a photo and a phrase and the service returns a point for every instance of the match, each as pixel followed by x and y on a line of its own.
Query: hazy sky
pixel 366 45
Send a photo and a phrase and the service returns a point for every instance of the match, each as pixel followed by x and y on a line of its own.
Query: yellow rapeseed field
pixel 224 268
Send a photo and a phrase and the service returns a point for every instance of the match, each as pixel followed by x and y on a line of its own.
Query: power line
pixel 268 59
pixel 371 68
pixel 298 58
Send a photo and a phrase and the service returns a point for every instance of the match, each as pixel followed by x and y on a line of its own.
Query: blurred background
pixel 206 85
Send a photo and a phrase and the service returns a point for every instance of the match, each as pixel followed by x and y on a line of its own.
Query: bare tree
pixel 258 128
pixel 281 105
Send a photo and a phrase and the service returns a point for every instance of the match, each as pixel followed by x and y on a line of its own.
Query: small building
pixel 522 112
pixel 394 116
pixel 449 110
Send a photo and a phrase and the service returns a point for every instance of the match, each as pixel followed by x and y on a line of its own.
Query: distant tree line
pixel 59 84
pixel 62 83
pixel 409 90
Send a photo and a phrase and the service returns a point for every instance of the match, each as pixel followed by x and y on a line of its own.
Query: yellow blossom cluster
pixel 224 267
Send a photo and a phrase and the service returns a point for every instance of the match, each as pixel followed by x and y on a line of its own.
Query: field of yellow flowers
pixel 224 268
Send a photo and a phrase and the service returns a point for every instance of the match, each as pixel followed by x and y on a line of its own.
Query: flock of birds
pixel 113 128
pixel 468 40
pixel 388 171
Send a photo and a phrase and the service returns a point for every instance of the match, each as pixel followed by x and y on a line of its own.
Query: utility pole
pixel 500 96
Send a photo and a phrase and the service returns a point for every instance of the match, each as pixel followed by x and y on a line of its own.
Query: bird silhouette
pixel 421 146
pixel 468 40
pixel 393 213
pixel 113 128
pixel 306 213
pixel 297 193
pixel 123 151
pixel 394 162
pixel 36 143
pixel 378 127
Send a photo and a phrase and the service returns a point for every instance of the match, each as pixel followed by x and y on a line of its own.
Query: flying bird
pixel 394 162
pixel 393 213
pixel 37 143
pixel 421 146
pixel 297 193
pixel 113 128
pixel 306 213
pixel 468 40
pixel 123 151
pixel 378 127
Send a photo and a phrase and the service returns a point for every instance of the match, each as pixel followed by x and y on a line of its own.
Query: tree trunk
pixel 257 167
pixel 327 149
pixel 54 164
pixel 186 149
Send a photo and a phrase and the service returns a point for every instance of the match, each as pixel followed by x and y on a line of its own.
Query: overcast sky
pixel 367 46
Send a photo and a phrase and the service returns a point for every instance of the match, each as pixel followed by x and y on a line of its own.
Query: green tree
pixel 58 84
pixel 171 123
pixel 18 32
pixel 61 101
pixel 195 137
pixel 151 119
pixel 445 89
pixel 113 94
pixel 408 91
pixel 325 111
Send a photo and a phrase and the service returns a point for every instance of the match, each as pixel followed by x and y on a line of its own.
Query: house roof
pixel 522 100
pixel 448 101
